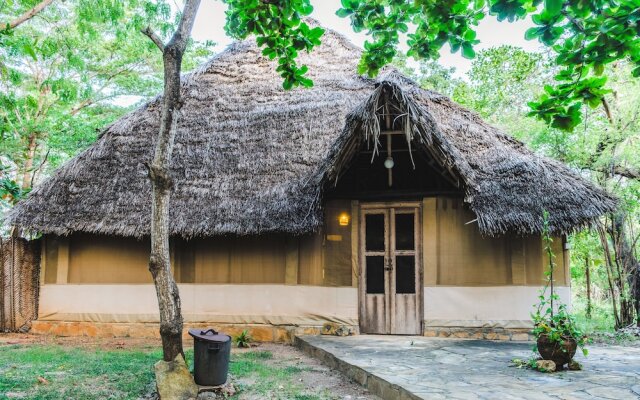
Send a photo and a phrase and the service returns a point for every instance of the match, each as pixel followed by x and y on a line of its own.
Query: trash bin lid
pixel 209 335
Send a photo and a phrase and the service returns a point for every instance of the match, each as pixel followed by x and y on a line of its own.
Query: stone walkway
pixel 401 367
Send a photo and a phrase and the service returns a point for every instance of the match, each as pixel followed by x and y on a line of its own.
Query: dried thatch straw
pixel 252 158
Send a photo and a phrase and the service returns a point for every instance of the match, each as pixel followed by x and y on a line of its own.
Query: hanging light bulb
pixel 388 163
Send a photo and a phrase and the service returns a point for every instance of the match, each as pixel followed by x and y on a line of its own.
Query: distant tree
pixel 62 71
pixel 429 75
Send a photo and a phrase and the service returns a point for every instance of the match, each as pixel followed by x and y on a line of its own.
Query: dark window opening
pixel 375 274
pixel 374 224
pixel 405 231
pixel 405 274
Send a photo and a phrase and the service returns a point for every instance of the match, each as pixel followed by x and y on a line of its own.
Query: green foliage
pixel 10 191
pixel 280 30
pixel 557 324
pixel 65 73
pixel 244 339
pixel 585 36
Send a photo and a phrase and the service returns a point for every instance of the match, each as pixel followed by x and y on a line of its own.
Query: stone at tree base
pixel 546 366
pixel 174 381
pixel 575 366
pixel 224 391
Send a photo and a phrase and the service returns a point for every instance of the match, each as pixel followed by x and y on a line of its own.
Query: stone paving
pixel 401 367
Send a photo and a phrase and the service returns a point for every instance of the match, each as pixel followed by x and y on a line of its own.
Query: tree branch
pixel 27 15
pixel 619 170
pixel 607 110
pixel 182 34
pixel 154 37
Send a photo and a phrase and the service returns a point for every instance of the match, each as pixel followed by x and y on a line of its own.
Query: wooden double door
pixel 390 279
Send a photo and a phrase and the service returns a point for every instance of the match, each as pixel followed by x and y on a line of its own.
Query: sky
pixel 209 25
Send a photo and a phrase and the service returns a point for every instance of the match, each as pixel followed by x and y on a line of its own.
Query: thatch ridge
pixel 251 158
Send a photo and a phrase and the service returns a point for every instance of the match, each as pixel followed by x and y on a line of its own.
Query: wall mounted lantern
pixel 343 219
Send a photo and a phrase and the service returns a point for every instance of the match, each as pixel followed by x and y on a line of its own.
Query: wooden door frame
pixel 418 235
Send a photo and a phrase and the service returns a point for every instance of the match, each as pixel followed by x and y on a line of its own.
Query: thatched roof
pixel 252 158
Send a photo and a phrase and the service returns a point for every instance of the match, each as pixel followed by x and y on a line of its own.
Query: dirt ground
pixel 80 341
pixel 311 374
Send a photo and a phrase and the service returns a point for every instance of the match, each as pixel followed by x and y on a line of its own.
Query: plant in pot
pixel 555 330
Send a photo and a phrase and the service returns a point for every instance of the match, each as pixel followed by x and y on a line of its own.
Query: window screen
pixel 405 232
pixel 375 274
pixel 405 274
pixel 374 232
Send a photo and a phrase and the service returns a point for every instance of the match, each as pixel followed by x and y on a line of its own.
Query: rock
pixel 343 331
pixel 329 328
pixel 174 381
pixel 217 392
pixel 574 366
pixel 546 366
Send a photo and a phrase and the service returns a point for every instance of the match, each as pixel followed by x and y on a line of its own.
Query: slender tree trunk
pixel 159 173
pixel 609 269
pixel 588 276
pixel 28 163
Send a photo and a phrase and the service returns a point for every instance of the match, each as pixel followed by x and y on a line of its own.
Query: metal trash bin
pixel 211 352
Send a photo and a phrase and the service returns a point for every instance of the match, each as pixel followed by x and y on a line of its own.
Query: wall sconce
pixel 343 219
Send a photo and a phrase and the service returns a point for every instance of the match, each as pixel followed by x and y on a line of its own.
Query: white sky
pixel 209 25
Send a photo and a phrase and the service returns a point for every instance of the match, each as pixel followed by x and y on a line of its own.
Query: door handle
pixel 389 265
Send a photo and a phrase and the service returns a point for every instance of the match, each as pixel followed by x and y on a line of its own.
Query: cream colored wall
pixel 487 307
pixel 234 304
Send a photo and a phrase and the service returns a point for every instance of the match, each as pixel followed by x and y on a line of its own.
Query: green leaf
pixel 343 12
pixel 531 33
pixel 27 48
pixel 553 7
pixel 468 51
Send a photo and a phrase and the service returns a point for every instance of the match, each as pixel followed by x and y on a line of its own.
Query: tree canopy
pixel 70 71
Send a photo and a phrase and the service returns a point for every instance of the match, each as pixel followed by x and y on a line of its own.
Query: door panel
pixel 390 270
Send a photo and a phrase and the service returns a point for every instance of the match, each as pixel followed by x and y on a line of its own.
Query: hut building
pixel 371 203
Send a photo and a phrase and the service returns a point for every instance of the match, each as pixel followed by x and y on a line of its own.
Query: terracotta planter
pixel 559 352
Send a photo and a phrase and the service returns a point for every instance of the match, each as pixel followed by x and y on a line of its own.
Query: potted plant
pixel 555 330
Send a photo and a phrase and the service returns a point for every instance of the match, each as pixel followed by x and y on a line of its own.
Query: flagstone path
pixel 401 367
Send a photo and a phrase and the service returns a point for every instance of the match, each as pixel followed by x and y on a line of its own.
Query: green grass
pixel 600 327
pixel 73 373
pixel 77 373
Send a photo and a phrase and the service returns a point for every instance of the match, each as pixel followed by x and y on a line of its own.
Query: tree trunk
pixel 28 163
pixel 161 182
pixel 628 267
pixel 588 276
pixel 609 268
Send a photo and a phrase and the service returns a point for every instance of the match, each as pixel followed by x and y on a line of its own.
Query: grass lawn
pixel 63 371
